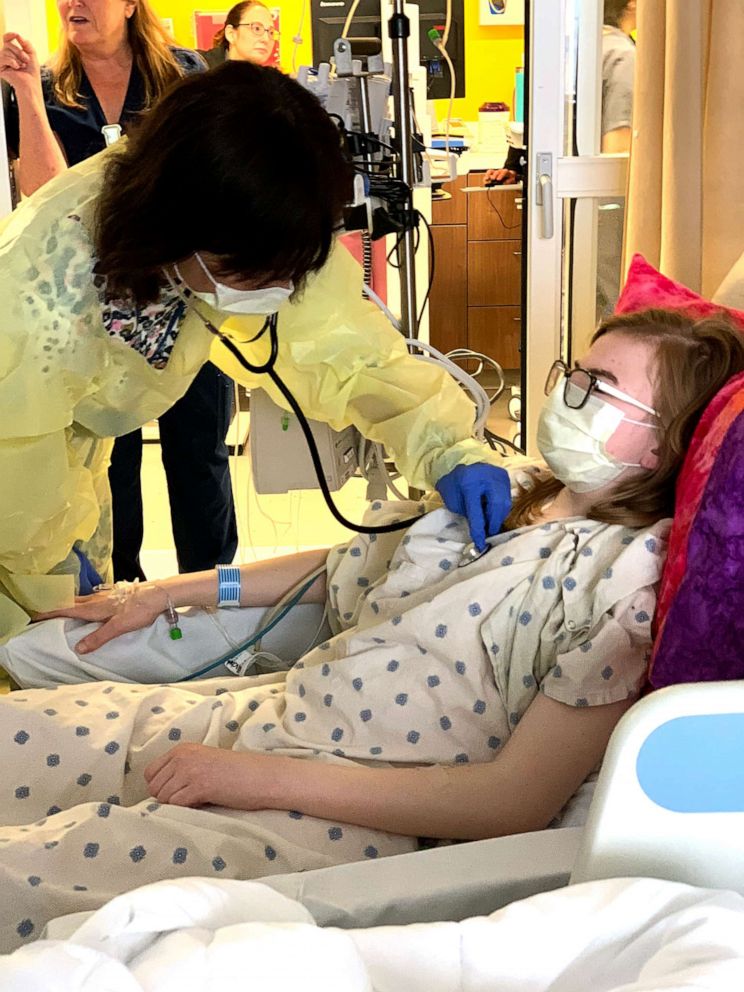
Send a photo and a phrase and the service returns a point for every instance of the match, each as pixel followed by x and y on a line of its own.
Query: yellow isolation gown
pixel 68 386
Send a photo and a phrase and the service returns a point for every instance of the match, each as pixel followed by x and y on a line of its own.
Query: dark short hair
pixel 613 11
pixel 241 162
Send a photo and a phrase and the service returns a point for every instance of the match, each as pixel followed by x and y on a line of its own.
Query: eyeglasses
pixel 258 29
pixel 580 384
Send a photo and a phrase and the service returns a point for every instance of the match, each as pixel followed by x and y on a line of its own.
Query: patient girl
pixel 452 703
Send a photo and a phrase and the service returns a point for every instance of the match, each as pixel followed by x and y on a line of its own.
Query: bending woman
pixel 115 61
pixel 111 276
pixel 455 702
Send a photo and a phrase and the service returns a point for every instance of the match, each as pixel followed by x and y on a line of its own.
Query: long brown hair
pixel 694 359
pixel 233 19
pixel 151 53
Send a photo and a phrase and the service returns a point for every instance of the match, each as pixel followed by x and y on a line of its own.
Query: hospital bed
pixel 456 881
pixel 345 928
pixel 669 804
pixel 669 801
pixel 673 769
pixel 668 808
pixel 443 883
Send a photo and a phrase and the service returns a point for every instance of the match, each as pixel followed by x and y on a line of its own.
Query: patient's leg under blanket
pixel 80 827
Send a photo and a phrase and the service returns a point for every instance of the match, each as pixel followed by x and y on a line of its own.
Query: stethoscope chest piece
pixel 470 554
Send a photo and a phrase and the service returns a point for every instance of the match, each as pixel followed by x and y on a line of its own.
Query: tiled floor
pixel 268 525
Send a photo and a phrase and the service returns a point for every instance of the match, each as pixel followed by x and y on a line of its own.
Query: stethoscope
pixel 270 324
pixel 268 368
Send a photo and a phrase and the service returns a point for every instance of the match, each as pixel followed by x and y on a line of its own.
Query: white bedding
pixel 634 935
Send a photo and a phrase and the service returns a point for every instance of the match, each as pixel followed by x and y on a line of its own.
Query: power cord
pixel 255 638
pixel 492 205
pixel 432 261
pixel 494 439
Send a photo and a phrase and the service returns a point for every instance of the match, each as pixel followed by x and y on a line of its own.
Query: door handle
pixel 544 192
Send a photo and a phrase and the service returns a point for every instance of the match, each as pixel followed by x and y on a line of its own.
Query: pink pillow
pixel 693 596
pixel 645 288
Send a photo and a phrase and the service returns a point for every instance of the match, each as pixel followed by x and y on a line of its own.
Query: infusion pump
pixel 280 458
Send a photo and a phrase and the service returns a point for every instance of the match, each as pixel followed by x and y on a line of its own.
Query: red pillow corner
pixel 645 287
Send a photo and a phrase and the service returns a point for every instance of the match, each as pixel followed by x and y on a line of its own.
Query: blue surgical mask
pixel 245 301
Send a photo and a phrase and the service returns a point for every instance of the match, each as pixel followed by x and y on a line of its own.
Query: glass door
pixel 478 213
pixel 581 59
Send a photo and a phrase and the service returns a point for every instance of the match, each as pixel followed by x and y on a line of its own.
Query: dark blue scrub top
pixel 79 128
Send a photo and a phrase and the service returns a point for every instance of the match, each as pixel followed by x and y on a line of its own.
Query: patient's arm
pixel 263 583
pixel 552 751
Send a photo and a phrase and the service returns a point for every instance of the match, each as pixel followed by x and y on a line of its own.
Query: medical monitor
pixel 328 17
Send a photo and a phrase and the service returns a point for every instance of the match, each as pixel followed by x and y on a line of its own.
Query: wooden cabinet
pixel 494 273
pixel 449 291
pixel 453 209
pixel 494 214
pixel 501 324
pixel 477 290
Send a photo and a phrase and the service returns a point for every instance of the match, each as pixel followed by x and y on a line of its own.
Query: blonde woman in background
pixel 248 35
pixel 115 61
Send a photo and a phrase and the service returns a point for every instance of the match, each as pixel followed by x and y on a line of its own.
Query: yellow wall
pixel 491 53
pixel 491 56
pixel 53 22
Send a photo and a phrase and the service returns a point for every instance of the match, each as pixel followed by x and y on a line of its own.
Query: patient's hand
pixel 140 611
pixel 196 775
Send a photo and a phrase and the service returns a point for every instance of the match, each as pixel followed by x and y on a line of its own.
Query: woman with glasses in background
pixel 248 35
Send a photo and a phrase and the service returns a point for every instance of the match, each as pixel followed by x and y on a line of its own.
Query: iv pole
pixel 399 29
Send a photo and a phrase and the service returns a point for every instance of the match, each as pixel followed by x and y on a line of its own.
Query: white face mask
pixel 246 301
pixel 573 442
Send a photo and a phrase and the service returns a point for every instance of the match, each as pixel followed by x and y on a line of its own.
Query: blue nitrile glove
pixel 89 577
pixel 480 492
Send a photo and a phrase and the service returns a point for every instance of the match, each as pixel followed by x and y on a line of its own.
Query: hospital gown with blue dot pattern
pixel 429 664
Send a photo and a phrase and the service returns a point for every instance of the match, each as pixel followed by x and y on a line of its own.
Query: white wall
pixel 27 18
